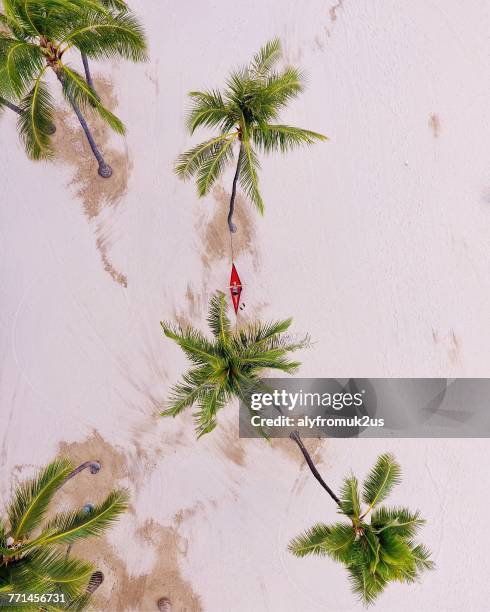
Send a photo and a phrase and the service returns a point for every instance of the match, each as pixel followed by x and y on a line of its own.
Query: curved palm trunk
pixel 295 436
pixel 105 171
pixel 231 225
pixel 93 465
pixel 88 76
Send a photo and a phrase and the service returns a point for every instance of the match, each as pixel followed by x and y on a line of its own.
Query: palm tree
pixel 374 553
pixel 37 37
pixel 32 559
pixel 244 114
pixel 227 366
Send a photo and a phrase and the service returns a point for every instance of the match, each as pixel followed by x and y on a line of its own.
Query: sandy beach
pixel 376 243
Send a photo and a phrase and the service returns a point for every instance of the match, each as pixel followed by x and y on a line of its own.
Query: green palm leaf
pixel 68 527
pixel 261 333
pixel 248 176
pixel 195 384
pixel 109 35
pixel 421 556
pixel 349 497
pixel 190 162
pixel 20 63
pixel 311 542
pixel 339 542
pixel 209 404
pixel 36 120
pixel 401 520
pixel 212 167
pixel 218 321
pixel 208 110
pixel 381 480
pixel 32 498
pixel 53 572
pixel 266 58
pixel 194 344
pixel 365 584
pixel 284 138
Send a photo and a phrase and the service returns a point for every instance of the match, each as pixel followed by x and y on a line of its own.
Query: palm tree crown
pixel 227 366
pixel 377 552
pixel 31 555
pixel 245 113
pixel 37 36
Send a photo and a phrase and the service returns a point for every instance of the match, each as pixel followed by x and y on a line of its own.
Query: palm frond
pixel 195 384
pixel 338 544
pixel 260 333
pixel 209 403
pixel 195 345
pixel 270 137
pixel 364 584
pixel 404 522
pixel 32 498
pixel 280 89
pixel 273 360
pixel 36 121
pixel 109 35
pixel 208 109
pixel 248 176
pixel 189 163
pixel 218 320
pixel 76 88
pixel 266 58
pixel 20 64
pixel 311 542
pixel 52 571
pixel 119 5
pixel 349 497
pixel 3 535
pixel 421 555
pixel 381 480
pixel 68 527
pixel 213 165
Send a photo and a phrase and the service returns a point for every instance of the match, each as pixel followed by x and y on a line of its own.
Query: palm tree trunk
pixel 13 107
pixel 295 436
pixel 93 465
pixel 231 225
pixel 86 67
pixel 105 171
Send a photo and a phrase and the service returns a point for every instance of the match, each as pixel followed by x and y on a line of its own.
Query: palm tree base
pixel 105 171
pixel 95 467
pixel 164 605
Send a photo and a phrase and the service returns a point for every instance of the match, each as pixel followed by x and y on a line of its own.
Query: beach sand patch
pixel 216 235
pixel 96 193
pixel 121 590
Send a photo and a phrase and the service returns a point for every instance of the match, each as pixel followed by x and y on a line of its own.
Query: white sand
pixel 376 242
